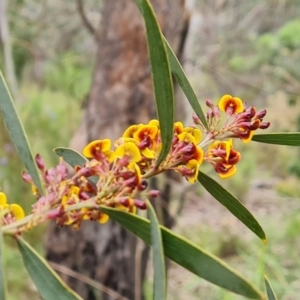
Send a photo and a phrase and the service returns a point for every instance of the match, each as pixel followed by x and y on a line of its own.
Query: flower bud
pixel 154 193
pixel 143 185
pixel 40 162
pixel 261 114
pixel 27 177
pixel 209 103
pixel 124 201
pixel 196 119
pixel 139 204
pixel 264 125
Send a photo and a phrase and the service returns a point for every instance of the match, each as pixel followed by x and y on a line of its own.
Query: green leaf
pixel 161 77
pixel 232 204
pixel 184 83
pixel 17 132
pixel 158 256
pixel 187 254
pixel 2 276
pixel 270 293
pixel 48 283
pixel 72 157
pixel 280 138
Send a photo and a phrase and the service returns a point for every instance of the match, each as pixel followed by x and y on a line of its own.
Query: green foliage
pixel 184 83
pixel 161 77
pixel 288 138
pixel 270 293
pixel 70 75
pixel 188 255
pixel 17 133
pixel 2 276
pixel 288 35
pixel 159 284
pixel 232 204
pixel 48 283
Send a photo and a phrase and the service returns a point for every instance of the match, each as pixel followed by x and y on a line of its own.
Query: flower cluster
pixel 241 122
pixel 115 173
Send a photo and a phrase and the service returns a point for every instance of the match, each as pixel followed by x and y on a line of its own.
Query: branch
pixel 97 285
pixel 90 28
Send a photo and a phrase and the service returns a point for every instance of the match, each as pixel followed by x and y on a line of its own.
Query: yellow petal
pixel 3 199
pixel 248 138
pixel 195 132
pixel 192 165
pixel 154 122
pixel 129 149
pixel 147 153
pixel 178 127
pixel 96 146
pixel 230 172
pixel 130 131
pixel 103 218
pixel 186 137
pixel 17 211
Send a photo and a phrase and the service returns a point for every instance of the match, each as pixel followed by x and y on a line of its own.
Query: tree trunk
pixel 121 95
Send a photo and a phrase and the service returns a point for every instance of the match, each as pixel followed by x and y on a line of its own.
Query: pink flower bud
pixel 139 204
pixel 209 103
pixel 209 114
pixel 261 114
pixel 196 119
pixel 40 162
pixel 50 176
pixel 52 215
pixel 250 111
pixel 154 193
pixel 84 196
pixel 143 185
pixel 216 112
pixel 62 171
pixel 124 201
pixel 264 125
pixel 27 177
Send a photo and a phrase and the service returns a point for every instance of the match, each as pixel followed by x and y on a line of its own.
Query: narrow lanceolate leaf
pixel 232 204
pixel 72 157
pixel 2 276
pixel 161 77
pixel 270 293
pixel 281 138
pixel 17 132
pixel 184 83
pixel 159 281
pixel 188 255
pixel 48 283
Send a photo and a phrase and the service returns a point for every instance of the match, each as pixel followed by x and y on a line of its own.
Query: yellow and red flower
pixel 9 212
pixel 130 151
pixel 231 105
pixel 223 158
pixel 99 149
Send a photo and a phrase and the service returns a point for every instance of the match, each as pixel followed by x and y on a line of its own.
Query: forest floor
pixel 208 224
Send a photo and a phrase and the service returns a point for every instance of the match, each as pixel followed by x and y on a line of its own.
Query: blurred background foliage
pixel 250 49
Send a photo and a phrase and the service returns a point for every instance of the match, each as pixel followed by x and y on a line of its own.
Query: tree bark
pixel 121 95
